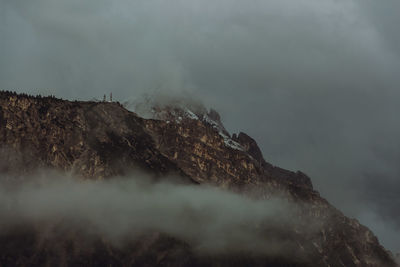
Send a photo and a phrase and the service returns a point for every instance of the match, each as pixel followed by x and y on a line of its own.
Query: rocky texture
pixel 100 140
pixel 94 140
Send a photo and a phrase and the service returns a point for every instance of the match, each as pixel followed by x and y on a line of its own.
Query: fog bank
pixel 123 209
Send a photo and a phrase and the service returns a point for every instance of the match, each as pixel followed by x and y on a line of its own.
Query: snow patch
pixel 222 132
pixel 229 142
pixel 191 115
pixel 180 114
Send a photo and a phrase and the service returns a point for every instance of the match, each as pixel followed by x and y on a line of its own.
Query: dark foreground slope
pixel 97 140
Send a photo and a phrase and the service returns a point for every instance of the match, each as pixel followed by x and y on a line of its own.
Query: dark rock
pixel 250 145
pixel 98 140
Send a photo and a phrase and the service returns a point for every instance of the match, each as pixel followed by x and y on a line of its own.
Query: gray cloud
pixel 124 209
pixel 315 82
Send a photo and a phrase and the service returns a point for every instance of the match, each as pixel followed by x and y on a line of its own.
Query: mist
pixel 211 220
pixel 316 83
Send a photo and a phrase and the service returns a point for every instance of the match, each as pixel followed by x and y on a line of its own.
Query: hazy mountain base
pixel 126 211
pixel 100 140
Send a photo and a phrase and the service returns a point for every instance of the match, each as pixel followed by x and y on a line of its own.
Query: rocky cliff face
pixel 99 140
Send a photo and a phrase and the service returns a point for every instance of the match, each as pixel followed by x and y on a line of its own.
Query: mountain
pixel 103 140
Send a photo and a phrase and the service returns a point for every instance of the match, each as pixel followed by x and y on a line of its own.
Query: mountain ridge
pixel 100 140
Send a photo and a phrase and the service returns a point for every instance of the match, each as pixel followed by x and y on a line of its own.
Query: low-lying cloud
pixel 122 209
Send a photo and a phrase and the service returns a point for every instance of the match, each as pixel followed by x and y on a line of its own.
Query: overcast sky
pixel 315 82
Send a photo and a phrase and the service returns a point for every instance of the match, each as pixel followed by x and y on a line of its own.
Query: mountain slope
pixel 99 140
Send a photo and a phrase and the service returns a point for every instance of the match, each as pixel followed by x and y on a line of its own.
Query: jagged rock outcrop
pixel 98 140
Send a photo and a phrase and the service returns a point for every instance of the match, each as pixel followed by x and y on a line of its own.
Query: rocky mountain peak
pixel 249 145
pixel 103 140
pixel 183 111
